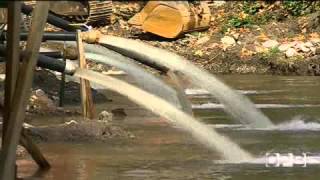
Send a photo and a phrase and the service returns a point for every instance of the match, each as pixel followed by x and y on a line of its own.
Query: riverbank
pixel 243 38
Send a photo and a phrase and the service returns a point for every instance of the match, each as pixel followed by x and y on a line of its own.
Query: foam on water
pixel 247 92
pixel 296 124
pixel 220 106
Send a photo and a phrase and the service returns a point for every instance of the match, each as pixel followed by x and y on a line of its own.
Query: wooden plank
pixel 185 103
pixel 88 108
pixel 22 90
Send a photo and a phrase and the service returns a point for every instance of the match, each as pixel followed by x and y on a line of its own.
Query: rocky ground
pixel 244 37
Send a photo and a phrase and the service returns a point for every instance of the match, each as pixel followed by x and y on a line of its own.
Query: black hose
pixel 47 36
pixel 51 63
pixel 53 54
pixel 43 60
pixel 54 20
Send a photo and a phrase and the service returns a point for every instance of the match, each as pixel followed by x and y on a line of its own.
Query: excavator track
pixel 99 13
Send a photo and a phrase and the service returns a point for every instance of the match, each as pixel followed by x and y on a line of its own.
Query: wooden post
pixel 185 103
pixel 62 81
pixel 13 59
pixel 88 108
pixel 12 66
pixel 22 91
pixel 33 150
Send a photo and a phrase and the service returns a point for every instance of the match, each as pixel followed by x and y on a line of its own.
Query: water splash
pixel 298 123
pixel 207 136
pixel 282 160
pixel 261 106
pixel 237 105
pixel 249 92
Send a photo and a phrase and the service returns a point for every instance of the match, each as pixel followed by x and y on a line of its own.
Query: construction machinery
pixel 84 12
pixel 170 19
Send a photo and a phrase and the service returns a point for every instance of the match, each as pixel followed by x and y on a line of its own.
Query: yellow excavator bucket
pixel 170 19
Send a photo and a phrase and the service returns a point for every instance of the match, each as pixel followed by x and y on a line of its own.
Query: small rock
pixel 270 44
pixel 236 36
pixel 71 122
pixel 198 53
pixel 284 47
pixel 219 3
pixel 313 50
pixel 308 44
pixel 105 116
pixel 291 52
pixel 40 92
pixel 203 40
pixel 317 51
pixel 227 40
pixel 315 40
pixel 303 48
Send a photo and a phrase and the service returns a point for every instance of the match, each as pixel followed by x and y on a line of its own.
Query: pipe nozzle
pixel 91 37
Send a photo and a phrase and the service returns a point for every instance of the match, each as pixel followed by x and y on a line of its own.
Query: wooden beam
pixel 33 150
pixel 22 90
pixel 88 108
pixel 185 103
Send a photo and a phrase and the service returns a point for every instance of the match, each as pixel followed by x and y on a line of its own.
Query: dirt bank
pixel 244 37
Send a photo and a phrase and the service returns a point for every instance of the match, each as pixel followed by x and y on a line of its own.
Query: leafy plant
pixel 238 22
pixel 251 7
pixel 296 8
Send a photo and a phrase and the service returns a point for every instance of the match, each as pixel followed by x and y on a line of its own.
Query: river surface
pixel 160 151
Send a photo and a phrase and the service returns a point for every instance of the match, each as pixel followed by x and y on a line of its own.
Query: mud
pixel 78 131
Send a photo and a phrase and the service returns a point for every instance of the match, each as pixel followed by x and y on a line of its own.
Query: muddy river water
pixel 160 151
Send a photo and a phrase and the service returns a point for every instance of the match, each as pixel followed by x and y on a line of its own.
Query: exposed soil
pixel 270 21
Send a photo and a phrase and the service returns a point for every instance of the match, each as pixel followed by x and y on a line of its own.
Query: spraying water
pixel 207 136
pixel 237 105
pixel 144 79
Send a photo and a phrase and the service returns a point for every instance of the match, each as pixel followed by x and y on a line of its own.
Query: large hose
pixel 146 80
pixel 237 105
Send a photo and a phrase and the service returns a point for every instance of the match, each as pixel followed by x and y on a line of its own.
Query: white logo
pixel 285 160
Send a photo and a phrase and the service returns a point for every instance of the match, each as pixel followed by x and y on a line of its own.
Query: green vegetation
pixel 238 22
pixel 296 8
